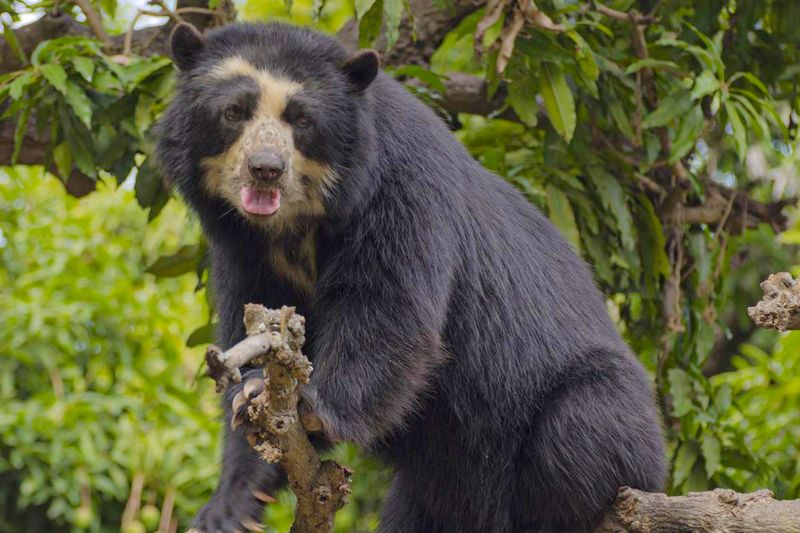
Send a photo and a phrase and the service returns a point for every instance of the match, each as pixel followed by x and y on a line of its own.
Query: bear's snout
pixel 266 165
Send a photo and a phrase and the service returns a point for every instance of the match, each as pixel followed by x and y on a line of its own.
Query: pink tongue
pixel 259 202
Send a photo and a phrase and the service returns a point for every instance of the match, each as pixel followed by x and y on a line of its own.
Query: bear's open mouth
pixel 257 201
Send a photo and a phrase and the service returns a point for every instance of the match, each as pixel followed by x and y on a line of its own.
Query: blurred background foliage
pixel 672 173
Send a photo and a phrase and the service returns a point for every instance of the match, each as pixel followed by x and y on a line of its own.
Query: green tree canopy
pixel 659 137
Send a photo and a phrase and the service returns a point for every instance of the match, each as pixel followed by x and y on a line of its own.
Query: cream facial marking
pixel 304 184
pixel 275 91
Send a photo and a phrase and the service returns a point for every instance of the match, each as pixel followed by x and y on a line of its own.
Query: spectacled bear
pixel 452 329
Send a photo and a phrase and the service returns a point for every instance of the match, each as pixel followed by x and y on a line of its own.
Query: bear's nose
pixel 266 165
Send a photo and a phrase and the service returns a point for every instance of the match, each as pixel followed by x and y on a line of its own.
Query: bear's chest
pixel 294 261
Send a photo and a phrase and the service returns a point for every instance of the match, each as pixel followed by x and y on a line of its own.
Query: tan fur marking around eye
pixel 304 187
pixel 275 91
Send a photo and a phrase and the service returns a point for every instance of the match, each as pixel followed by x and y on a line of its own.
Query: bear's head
pixel 265 120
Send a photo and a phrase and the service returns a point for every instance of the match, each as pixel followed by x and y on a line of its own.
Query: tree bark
pixel 714 511
pixel 274 339
pixel 779 308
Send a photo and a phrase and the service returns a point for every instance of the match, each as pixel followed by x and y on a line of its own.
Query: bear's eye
pixel 233 113
pixel 301 120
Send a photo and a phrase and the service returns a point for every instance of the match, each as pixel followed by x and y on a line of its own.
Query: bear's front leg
pixel 247 482
pixel 375 353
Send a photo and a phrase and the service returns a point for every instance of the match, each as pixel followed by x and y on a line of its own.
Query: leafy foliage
pixel 97 111
pixel 96 382
pixel 591 130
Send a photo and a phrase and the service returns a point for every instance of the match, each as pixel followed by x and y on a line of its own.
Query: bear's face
pixel 271 118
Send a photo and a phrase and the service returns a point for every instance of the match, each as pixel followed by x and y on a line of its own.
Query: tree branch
pixel 730 208
pixel 631 16
pixel 274 339
pixel 779 308
pixel 718 510
pixel 94 22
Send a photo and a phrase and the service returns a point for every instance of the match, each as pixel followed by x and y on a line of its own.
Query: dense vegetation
pixel 659 137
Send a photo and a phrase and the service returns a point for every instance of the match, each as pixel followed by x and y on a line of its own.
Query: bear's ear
pixel 362 68
pixel 187 44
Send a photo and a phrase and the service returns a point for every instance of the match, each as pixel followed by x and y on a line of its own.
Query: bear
pixel 453 331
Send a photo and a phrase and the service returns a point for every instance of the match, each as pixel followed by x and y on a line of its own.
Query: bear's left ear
pixel 362 68
pixel 187 44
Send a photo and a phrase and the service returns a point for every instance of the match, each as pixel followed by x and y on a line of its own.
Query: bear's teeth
pixel 260 202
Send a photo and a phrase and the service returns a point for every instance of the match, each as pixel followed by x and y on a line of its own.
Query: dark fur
pixel 452 328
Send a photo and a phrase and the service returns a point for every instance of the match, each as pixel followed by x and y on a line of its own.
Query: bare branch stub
pixel 779 308
pixel 635 511
pixel 274 341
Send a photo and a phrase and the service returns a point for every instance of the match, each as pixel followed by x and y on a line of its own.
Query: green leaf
pixel 393 10
pixel 56 75
pixel 756 119
pixel 704 84
pixel 11 39
pixel 148 181
pixel 63 160
pixel 711 48
pixel 652 243
pixel 671 108
pixel 618 114
pixel 84 66
pixel 706 59
pixel 17 87
pixel 712 450
pixel 681 391
pixel 139 72
pixel 614 200
pixel 143 114
pixel 560 212
pixel 79 102
pixel 599 257
pixel 19 132
pixel 697 481
pixel 106 82
pixel 558 100
pixel 202 335
pixel 181 262
pixel 423 74
pixel 81 153
pixel 749 76
pixel 316 9
pixel 687 134
pixel 363 7
pixel 110 7
pixel 369 25
pixel 685 459
pixel 584 56
pixel 651 63
pixel 738 127
pixel 522 97
pixel 722 397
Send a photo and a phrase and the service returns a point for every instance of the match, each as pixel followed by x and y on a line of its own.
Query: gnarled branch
pixel 718 510
pixel 779 308
pixel 274 339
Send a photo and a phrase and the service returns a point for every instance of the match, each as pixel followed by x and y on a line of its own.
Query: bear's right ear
pixel 187 45
pixel 362 68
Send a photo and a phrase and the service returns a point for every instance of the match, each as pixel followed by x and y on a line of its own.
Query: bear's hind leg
pixel 400 513
pixel 592 437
